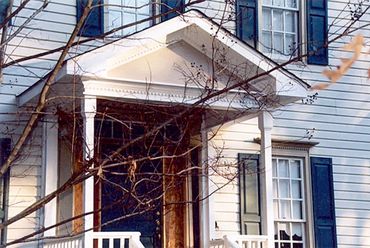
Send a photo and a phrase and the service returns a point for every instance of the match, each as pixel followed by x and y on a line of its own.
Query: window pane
pixel 279 3
pixel 266 42
pixel 115 2
pixel 274 166
pixel 115 19
pixel 284 209
pixel 276 231
pixel 284 231
pixel 295 245
pixel 278 43
pixel 285 245
pixel 283 168
pixel 297 231
pixel 292 3
pixel 278 20
pixel 275 188
pixel 297 210
pixel 144 7
pixel 284 188
pixel 295 167
pixel 266 13
pixel 129 18
pixel 130 3
pixel 291 44
pixel 143 25
pixel 290 22
pixel 296 189
pixel 267 2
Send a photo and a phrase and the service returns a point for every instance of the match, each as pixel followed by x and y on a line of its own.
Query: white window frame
pixel 301 32
pixel 301 153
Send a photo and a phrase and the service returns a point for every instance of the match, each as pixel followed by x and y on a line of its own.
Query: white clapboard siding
pixel 25 186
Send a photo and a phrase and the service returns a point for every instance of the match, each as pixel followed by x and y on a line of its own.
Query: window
pixel 285 27
pixel 289 202
pixel 109 14
pixel 123 12
pixel 280 26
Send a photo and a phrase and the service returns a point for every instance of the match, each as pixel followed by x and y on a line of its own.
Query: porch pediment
pixel 177 61
pixel 177 64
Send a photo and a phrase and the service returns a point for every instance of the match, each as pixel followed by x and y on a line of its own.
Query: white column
pixel 204 204
pixel 50 166
pixel 265 124
pixel 88 113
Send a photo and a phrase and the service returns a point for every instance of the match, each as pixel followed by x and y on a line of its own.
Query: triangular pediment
pixel 183 57
pixel 176 64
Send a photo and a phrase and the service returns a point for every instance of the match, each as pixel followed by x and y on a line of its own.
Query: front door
pixel 131 194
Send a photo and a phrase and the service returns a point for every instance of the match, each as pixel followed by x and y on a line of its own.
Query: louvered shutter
pixel 94 23
pixel 4 5
pixel 170 4
pixel 246 21
pixel 323 202
pixel 250 215
pixel 317 32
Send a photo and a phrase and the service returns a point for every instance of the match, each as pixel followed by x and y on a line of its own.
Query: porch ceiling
pixel 175 62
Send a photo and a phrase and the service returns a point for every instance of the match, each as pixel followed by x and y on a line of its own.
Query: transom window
pixel 289 202
pixel 280 26
pixel 123 12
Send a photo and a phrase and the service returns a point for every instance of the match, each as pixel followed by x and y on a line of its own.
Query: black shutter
pixel 170 4
pixel 4 5
pixel 323 202
pixel 317 32
pixel 4 181
pixel 246 21
pixel 4 149
pixel 94 23
pixel 250 214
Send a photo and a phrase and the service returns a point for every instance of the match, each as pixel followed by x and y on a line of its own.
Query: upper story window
pixel 285 28
pixel 123 12
pixel 107 15
pixel 280 26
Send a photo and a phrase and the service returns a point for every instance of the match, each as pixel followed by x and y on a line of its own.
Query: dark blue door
pixel 131 195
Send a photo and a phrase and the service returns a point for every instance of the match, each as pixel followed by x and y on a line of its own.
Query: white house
pixel 279 165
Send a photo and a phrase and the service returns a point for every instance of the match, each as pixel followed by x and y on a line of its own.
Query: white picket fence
pixel 240 241
pixel 132 238
pixel 101 239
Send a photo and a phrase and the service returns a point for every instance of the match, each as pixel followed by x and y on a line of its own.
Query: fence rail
pixel 117 239
pixel 240 241
pixel 100 240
